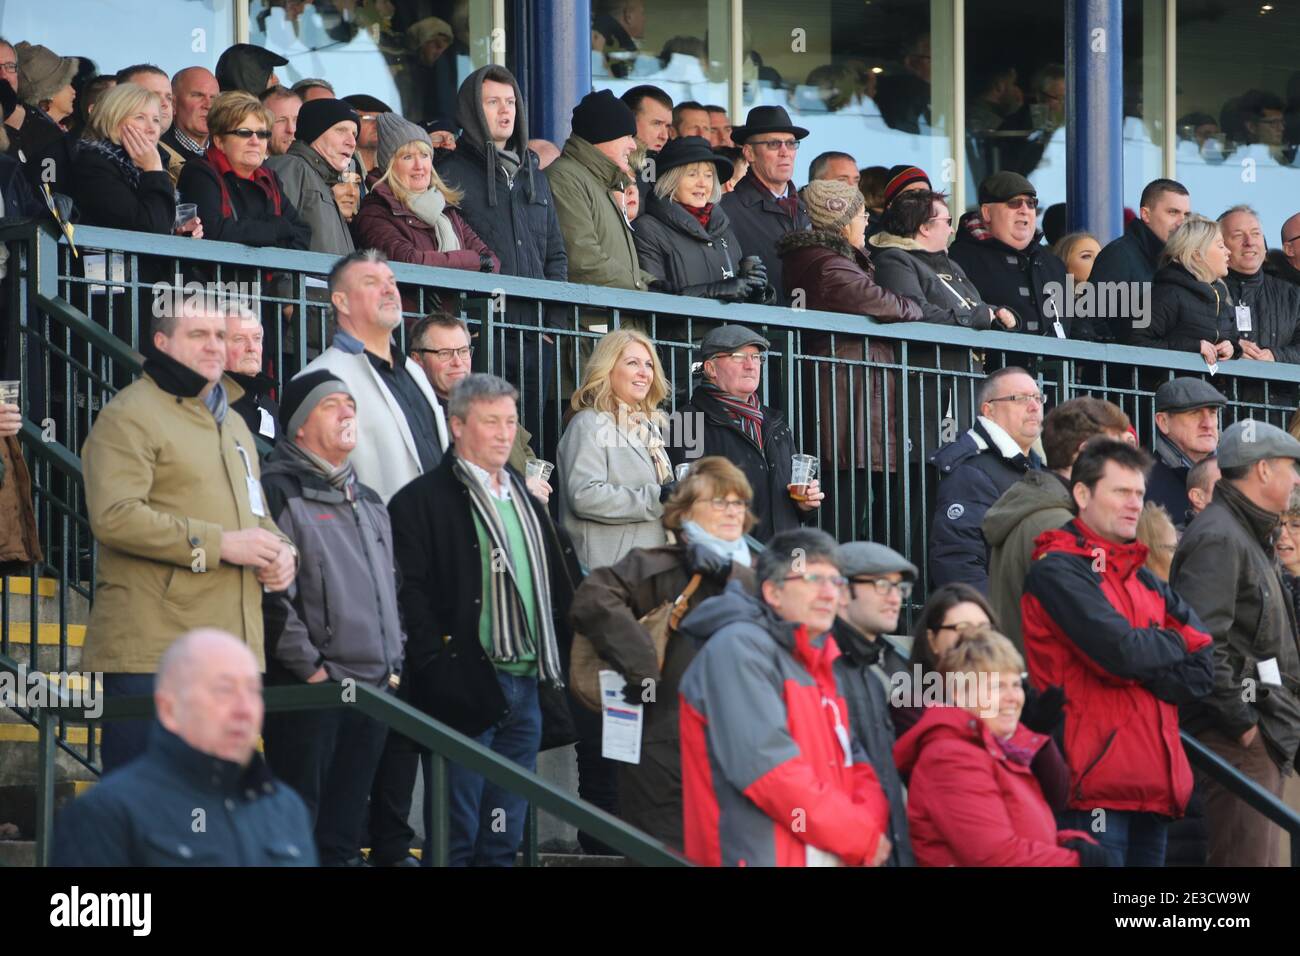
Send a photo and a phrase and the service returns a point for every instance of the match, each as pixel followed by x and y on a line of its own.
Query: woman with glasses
pixel 238 198
pixel 706 516
pixel 1288 549
pixel 410 214
pixel 950 612
pixel 978 790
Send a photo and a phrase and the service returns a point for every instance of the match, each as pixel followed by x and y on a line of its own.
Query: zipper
pixel 1078 787
pixel 370 567
pixel 325 603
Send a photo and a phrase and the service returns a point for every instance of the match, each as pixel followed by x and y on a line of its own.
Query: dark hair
pixel 990 383
pixel 910 211
pixel 941 601
pixel 634 97
pixel 807 544
pixel 435 320
pixel 1091 463
pixel 335 277
pixel 716 109
pixel 682 107
pixel 1235 473
pixel 989 76
pixel 1196 474
pixel 1157 188
pixel 124 75
pixel 819 163
pixel 733 153
pixel 279 91
pixel 872 185
pixel 1070 424
pixel 498 74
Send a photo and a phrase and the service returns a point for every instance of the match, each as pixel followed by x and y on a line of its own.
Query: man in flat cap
pixel 1187 431
pixel 1225 568
pixel 880 580
pixel 726 414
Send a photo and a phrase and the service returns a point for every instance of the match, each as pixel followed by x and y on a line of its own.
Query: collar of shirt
pixel 485 478
pixel 193 145
pixel 347 342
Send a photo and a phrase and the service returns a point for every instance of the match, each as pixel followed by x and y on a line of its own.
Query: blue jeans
pixel 1138 839
pixel 487 822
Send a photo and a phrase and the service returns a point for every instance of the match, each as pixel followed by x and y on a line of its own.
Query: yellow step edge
pixel 20 632
pixel 80 787
pixel 45 587
pixel 26 734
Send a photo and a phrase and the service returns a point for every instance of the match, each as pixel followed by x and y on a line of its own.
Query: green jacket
pixel 1036 503
pixel 597 238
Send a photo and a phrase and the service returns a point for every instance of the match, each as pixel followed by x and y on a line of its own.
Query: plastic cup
pixel 536 468
pixel 682 470
pixel 9 392
pixel 185 211
pixel 803 469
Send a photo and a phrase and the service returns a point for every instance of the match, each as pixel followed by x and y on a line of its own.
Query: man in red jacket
pixel 771 775
pixel 1124 648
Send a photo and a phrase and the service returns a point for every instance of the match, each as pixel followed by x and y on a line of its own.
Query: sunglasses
pixel 1020 201
pixel 245 133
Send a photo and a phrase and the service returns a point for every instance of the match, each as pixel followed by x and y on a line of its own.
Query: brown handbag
pixel 585 664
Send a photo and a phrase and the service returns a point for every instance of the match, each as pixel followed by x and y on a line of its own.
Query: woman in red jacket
pixel 410 214
pixel 972 770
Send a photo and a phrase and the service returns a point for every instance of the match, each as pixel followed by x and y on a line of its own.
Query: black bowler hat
pixel 685 150
pixel 766 119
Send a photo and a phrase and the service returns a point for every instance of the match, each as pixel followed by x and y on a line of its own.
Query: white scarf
pixel 428 206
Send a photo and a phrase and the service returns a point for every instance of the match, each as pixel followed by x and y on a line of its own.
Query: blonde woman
pixel 1157 532
pixel 410 213
pixel 1191 309
pixel 613 467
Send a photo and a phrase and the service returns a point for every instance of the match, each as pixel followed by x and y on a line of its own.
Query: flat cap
pixel 1249 441
pixel 728 338
pixel 1005 185
pixel 858 558
pixel 1184 394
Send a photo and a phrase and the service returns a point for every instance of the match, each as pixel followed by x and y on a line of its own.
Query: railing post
pixel 436 792
pixel 44 784
pixel 531 855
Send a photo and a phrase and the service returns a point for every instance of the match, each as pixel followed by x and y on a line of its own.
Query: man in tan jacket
pixel 175 504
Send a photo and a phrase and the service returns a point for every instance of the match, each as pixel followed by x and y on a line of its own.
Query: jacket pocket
pixel 165 850
pixel 284 853
pixel 325 610
pixel 1094 763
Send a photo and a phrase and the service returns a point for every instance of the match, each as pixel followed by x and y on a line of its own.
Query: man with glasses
pixel 1124 649
pixel 1267 309
pixel 880 580
pixel 1187 432
pixel 977 469
pixel 1007 259
pixel 771 773
pixel 725 417
pixel 765 206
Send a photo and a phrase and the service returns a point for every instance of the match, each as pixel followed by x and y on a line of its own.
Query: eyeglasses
pixel 817 580
pixel 10 67
pixel 245 133
pixel 963 627
pixel 947 219
pixel 1284 238
pixel 729 504
pixel 776 144
pixel 759 357
pixel 1037 398
pixel 1019 201
pixel 883 586
pixel 1292 525
pixel 445 355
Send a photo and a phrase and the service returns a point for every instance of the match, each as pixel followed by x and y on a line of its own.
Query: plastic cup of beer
pixel 682 470
pixel 803 469
pixel 9 392
pixel 185 211
pixel 536 468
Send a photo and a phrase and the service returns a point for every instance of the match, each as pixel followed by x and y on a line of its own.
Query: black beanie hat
pixel 317 116
pixel 602 117
pixel 303 394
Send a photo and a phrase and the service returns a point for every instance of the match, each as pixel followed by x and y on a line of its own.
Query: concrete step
pixel 17 853
pixel 19 763
pixel 46 600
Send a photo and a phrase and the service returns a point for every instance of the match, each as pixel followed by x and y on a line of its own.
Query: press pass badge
pixel 1243 318
pixel 1269 672
pixel 266 424
pixel 255 502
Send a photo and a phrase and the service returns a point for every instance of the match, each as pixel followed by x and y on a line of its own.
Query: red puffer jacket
pixel 1126 650
pixel 969 804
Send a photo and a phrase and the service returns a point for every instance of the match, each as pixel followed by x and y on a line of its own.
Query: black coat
pixel 447 673
pixel 1274 312
pixel 759 221
pixel 767 468
pixel 972 478
pixel 1185 310
pixel 1167 483
pixel 105 197
pixel 1133 257
pixel 1020 280
pixel 672 246
pixel 256 397
pixel 252 220
pixel 145 814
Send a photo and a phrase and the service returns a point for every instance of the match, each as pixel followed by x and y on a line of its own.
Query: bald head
pixel 193 90
pixel 547 152
pixel 1291 240
pixel 208 692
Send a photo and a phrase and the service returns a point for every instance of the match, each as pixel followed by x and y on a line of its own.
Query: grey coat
pixel 609 497
pixel 307 180
pixel 931 279
pixel 341 612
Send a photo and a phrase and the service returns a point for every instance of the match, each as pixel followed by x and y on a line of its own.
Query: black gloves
pixel 484 262
pixel 738 289
pixel 1093 854
pixel 1042 710
pixel 702 560
pixel 751 267
pixel 666 491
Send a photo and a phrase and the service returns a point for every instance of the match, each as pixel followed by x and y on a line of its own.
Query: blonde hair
pixel 709 477
pixel 669 181
pixel 404 195
pixel 230 109
pixel 596 392
pixel 113 109
pixel 1188 244
pixel 983 650
pixel 1153 528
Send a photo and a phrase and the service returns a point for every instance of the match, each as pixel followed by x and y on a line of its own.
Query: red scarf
pixel 262 178
pixel 702 213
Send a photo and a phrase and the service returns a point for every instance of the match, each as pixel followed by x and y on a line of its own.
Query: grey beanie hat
pixel 394 133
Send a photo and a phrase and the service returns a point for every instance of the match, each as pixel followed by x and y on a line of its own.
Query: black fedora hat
pixel 766 119
pixel 685 150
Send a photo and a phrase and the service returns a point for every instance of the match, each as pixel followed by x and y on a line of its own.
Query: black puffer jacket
pixel 931 279
pixel 1023 280
pixel 684 255
pixel 1185 311
pixel 1274 312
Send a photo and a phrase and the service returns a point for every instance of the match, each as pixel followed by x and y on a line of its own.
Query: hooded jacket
pixel 1038 502
pixel 341 611
pixel 307 181
pixel 1185 310
pixel 597 236
pixel 769 771
pixel 760 222
pixel 971 805
pixel 930 279
pixel 1274 312
pixel 386 224
pixel 684 256
pixel 1226 567
pixel 974 472
pixel 1029 281
pixel 1125 649
pixel 513 213
pixel 1132 258
pixel 247 67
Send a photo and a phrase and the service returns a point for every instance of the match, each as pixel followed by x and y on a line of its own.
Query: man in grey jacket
pixel 339 622
pixel 312 173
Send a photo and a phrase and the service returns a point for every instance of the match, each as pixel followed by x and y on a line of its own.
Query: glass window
pixel 411 54
pixel 1144 97
pixel 1239 109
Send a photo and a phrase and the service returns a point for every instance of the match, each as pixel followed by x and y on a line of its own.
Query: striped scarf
pixel 745 413
pixel 341 477
pixel 510 637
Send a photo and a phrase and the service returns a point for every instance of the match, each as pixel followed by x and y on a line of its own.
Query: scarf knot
pixel 261 177
pixel 745 413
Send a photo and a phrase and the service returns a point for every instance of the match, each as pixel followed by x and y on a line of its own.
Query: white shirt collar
pixel 1006 445
pixel 485 479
